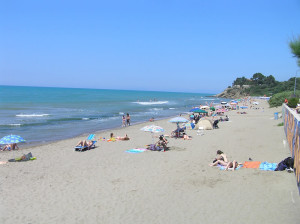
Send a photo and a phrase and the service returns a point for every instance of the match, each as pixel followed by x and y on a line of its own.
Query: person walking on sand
pixel 123 121
pixel 128 119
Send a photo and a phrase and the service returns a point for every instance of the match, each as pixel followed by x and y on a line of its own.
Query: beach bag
pixel 287 163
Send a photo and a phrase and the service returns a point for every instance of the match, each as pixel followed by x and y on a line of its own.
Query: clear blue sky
pixel 187 46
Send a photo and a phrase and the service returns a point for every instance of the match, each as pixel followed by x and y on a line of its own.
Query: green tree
pixel 270 80
pixel 258 79
pixel 241 81
pixel 295 47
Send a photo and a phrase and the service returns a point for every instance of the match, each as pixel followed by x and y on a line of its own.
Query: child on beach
pixel 123 121
pixel 112 138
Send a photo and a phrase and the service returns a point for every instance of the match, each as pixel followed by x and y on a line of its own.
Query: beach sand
pixel 108 185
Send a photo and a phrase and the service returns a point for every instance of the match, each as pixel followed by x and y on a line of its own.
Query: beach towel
pixel 251 164
pixel 268 166
pixel 23 158
pixel 224 167
pixel 139 150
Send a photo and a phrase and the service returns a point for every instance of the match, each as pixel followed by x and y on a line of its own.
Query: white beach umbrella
pixel 152 129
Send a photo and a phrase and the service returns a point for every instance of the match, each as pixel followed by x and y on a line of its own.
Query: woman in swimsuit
pixel 220 159
pixel 9 147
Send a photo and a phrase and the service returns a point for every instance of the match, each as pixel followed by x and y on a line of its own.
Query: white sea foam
pixel 157 109
pixel 14 124
pixel 172 108
pixel 152 102
pixel 32 115
pixel 85 118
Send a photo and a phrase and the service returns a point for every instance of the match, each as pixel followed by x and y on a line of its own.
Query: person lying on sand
pixel 232 165
pixel 186 137
pixel 123 138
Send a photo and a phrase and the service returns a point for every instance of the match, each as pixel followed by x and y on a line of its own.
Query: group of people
pixel 126 120
pixel 224 119
pixel 9 147
pixel 221 159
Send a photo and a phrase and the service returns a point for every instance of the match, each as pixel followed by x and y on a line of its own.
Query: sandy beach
pixel 108 185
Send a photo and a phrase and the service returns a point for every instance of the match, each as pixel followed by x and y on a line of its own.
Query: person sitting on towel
pixel 162 142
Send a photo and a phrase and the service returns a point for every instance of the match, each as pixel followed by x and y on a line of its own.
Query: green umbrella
pixel 197 110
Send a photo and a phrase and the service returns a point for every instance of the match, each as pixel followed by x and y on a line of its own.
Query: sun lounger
pixel 84 148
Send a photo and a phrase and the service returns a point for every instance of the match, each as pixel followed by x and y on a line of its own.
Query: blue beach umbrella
pixel 9 139
pixel 178 120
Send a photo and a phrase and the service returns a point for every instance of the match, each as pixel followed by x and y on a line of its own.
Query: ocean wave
pixel 32 115
pixel 9 125
pixel 152 102
pixel 172 108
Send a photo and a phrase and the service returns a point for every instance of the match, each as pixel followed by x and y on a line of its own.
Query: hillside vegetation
pixel 260 85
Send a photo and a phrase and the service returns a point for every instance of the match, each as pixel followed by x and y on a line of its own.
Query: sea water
pixel 44 114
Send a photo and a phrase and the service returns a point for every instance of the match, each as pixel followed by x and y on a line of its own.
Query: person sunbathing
pixel 186 137
pixel 221 156
pixel 9 147
pixel 232 165
pixel 85 143
pixel 219 162
pixel 125 138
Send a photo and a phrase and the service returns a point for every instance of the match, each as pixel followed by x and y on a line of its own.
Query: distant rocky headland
pixel 236 91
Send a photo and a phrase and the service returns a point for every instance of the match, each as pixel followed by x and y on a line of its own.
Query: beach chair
pixel 200 131
pixel 84 148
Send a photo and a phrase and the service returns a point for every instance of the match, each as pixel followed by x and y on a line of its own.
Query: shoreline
pixel 85 135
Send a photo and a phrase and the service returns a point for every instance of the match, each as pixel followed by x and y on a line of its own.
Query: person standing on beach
pixel 123 121
pixel 128 119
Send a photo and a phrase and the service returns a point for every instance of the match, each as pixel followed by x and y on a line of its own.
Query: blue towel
pixel 136 150
pixel 268 166
pixel 224 167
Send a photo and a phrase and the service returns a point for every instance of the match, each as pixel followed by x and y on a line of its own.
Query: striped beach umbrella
pixel 152 129
pixel 9 139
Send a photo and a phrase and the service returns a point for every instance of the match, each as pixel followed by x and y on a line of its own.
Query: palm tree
pixel 295 47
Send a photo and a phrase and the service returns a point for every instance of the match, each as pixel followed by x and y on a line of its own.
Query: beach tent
pixel 206 124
